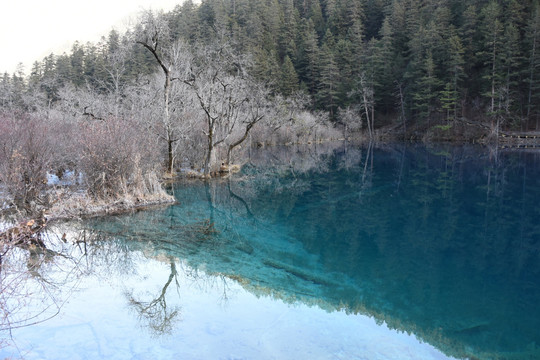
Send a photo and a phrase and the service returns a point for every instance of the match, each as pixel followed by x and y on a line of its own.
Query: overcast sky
pixel 32 29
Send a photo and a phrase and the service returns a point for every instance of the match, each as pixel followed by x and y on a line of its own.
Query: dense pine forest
pixel 197 84
pixel 417 60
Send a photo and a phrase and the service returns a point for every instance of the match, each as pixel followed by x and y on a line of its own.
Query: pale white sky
pixel 32 29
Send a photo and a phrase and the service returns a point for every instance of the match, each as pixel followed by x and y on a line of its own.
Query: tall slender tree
pixel 533 68
pixel 492 29
pixel 155 37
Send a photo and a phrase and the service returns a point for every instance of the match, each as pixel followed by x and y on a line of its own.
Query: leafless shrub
pixel 25 155
pixel 352 118
pixel 115 158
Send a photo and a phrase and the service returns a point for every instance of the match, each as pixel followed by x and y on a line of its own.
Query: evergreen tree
pixel 384 62
pixel 511 61
pixel 492 28
pixel 184 23
pixel 308 57
pixel 533 66
pixel 92 66
pixel 18 86
pixel 50 82
pixel 449 101
pixel 289 78
pixel 5 91
pixel 266 66
pixel 77 64
pixel 469 36
pixel 113 42
pixel 374 17
pixel 63 72
pixel 328 86
pixel 450 96
pixel 428 90
pixel 316 16
pixel 288 31
pixel 35 76
pixel 344 61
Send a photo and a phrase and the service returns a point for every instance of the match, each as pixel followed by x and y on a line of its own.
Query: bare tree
pixel 116 69
pixel 216 80
pixel 155 37
pixel 351 117
pixel 254 110
pixel 367 100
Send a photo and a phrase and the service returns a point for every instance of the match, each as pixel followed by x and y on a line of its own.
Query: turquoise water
pixel 335 252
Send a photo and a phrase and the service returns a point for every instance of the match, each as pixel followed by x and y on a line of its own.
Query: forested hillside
pixel 417 60
pixel 195 87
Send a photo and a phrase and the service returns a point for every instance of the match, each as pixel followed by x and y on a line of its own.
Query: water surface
pixel 319 252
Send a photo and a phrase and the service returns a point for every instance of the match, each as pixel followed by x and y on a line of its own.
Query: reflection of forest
pixel 439 242
pixel 442 242
pixel 448 244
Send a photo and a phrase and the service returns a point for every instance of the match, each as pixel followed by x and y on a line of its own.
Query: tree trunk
pixel 493 68
pixel 170 151
pixel 370 130
pixel 236 143
pixel 402 105
pixel 531 77
pixel 209 153
pixel 166 90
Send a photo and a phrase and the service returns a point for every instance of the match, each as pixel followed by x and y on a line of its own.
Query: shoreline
pixel 67 205
pixel 80 207
pixel 26 232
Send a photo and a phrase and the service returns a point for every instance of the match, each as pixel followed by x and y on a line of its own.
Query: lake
pixel 330 251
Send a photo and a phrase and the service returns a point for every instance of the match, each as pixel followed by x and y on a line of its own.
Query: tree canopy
pixel 421 60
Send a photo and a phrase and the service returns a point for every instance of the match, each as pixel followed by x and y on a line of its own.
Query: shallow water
pixel 335 252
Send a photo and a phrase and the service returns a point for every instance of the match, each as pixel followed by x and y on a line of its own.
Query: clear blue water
pixel 322 252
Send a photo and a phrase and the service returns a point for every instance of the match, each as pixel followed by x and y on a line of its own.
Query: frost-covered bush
pixel 116 157
pixel 26 151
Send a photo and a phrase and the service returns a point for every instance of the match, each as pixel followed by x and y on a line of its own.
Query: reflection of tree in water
pixel 35 282
pixel 40 270
pixel 397 213
pixel 37 270
pixel 451 211
pixel 159 317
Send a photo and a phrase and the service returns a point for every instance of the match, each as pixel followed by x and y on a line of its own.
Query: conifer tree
pixel 288 31
pixel 344 61
pixel 327 91
pixel 383 62
pixel 492 28
pixel 5 91
pixel 450 96
pixel 533 59
pixel 62 72
pixel 510 69
pixel 427 92
pixel 35 76
pixel 316 16
pixel 289 78
pixel 308 57
pixel 77 64
pixel 469 34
